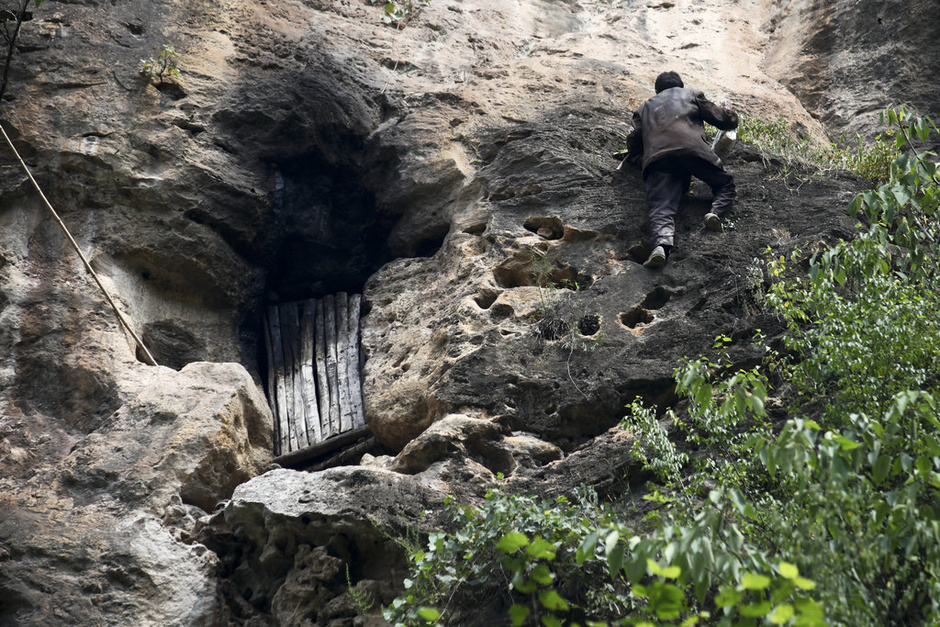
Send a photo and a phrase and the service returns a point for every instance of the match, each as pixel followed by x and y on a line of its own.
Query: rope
pixel 88 267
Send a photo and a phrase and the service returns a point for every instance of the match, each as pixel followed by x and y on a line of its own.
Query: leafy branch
pixel 163 65
pixel 17 17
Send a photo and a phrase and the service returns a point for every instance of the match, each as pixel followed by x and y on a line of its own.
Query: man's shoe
pixel 713 222
pixel 656 259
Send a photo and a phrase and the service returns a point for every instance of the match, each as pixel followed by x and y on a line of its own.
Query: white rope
pixel 88 267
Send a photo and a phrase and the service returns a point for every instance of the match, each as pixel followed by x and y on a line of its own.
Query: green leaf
pixel 523 584
pixel 586 549
pixel 551 621
pixel 703 395
pixel 755 610
pixel 635 568
pixel 542 575
pixel 667 602
pixel 613 538
pixel 615 560
pixel 809 608
pixel 653 567
pixel 552 600
pixel 804 584
pixel 881 468
pixel 728 597
pixel 788 571
pixel 429 614
pixel 671 572
pixel 512 541
pixel 781 614
pixel 845 443
pixel 541 549
pixel 753 581
pixel 518 614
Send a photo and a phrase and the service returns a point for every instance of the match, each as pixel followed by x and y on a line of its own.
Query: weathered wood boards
pixel 314 378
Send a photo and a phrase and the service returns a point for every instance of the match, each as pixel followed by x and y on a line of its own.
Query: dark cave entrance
pixel 328 239
pixel 331 237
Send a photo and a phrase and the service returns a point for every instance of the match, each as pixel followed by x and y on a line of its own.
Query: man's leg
pixel 720 182
pixel 664 188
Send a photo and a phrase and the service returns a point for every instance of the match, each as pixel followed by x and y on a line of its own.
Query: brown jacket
pixel 671 123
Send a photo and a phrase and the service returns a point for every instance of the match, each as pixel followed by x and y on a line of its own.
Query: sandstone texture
pixel 456 169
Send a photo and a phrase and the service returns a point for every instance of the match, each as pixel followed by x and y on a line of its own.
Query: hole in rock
pixel 522 270
pixel 172 344
pixel 547 227
pixel 657 298
pixel 331 238
pixel 635 317
pixel 476 229
pixel 502 311
pixel 589 324
pixel 485 299
pixel 551 329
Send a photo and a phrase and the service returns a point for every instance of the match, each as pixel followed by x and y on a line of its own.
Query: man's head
pixel 668 80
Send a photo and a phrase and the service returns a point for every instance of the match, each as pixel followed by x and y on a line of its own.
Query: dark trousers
pixel 668 180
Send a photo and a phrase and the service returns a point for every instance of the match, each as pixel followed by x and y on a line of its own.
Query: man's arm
pixel 635 142
pixel 718 116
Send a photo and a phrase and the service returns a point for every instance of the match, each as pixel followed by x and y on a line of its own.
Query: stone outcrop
pixel 457 170
pixel 292 542
pixel 97 513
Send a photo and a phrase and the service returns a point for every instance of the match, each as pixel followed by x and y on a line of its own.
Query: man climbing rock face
pixel 668 142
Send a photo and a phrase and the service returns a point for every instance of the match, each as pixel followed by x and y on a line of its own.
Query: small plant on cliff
pixel 161 66
pixel 395 13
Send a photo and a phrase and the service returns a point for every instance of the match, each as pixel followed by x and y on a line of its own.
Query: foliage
pixel 653 449
pixel 518 549
pixel 164 65
pixel 395 13
pixel 871 160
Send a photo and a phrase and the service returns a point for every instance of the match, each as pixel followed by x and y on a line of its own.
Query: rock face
pixel 846 60
pixel 457 170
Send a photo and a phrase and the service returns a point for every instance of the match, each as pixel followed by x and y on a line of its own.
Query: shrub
pixel 164 65
pixel 871 160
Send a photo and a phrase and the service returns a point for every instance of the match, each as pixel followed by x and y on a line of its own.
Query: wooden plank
pixel 342 356
pixel 288 378
pixel 290 328
pixel 280 392
pixel 272 382
pixel 355 372
pixel 348 454
pixel 323 386
pixel 314 430
pixel 296 459
pixel 349 355
pixel 329 310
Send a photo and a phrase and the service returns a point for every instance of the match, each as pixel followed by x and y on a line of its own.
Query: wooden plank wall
pixel 314 378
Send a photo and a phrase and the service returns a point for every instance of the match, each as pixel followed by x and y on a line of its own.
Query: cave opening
pixel 330 237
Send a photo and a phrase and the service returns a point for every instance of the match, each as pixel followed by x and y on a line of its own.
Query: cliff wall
pixel 456 169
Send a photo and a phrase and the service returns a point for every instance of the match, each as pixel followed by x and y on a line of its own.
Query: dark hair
pixel 667 80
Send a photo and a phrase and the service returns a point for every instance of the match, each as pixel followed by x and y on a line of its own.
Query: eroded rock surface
pixel 458 171
pixel 292 542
